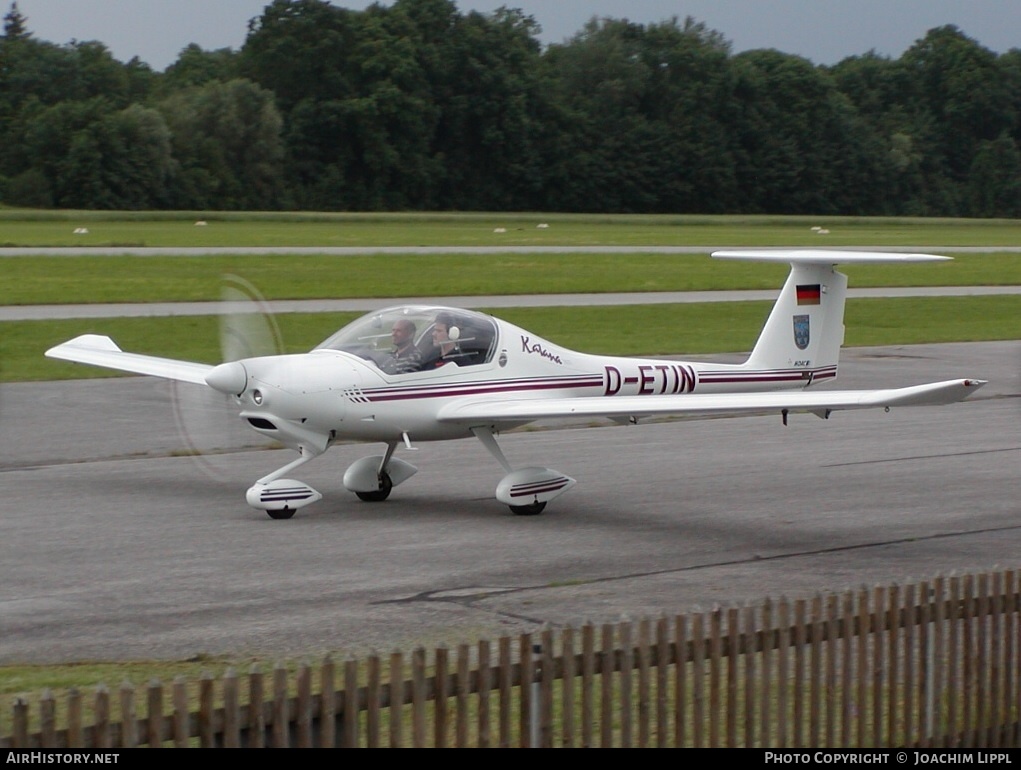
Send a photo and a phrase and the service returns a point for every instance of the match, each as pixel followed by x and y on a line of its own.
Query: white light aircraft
pixel 473 375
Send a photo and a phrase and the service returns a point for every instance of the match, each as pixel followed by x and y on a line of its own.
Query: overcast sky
pixel 824 31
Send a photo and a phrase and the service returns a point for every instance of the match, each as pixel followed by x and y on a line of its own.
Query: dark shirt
pixel 401 361
pixel 455 356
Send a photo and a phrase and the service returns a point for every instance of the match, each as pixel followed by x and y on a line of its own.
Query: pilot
pixel 404 357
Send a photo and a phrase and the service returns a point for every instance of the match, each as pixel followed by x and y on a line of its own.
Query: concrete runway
pixel 116 545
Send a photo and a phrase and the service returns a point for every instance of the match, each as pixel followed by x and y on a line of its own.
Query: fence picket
pixel 568 680
pixel 588 678
pixel 485 690
pixel 462 694
pixel 302 718
pixel 48 719
pixel 662 671
pixel 128 725
pixel 398 697
pixel 327 705
pixel 256 709
pixel 606 700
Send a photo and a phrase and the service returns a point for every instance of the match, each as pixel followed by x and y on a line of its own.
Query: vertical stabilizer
pixel 805 329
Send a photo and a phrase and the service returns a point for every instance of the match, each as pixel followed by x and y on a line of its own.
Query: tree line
pixel 418 106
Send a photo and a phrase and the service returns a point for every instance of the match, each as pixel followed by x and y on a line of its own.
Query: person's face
pixel 440 333
pixel 401 334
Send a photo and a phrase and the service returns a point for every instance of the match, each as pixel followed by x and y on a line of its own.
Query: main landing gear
pixel 525 491
pixel 280 498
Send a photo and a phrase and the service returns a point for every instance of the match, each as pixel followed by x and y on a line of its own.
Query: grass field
pixel 54 280
pixel 621 330
pixel 102 278
pixel 50 228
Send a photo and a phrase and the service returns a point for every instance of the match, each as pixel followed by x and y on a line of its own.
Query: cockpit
pixel 436 336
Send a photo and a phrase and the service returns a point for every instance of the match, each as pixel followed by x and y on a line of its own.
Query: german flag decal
pixel 808 294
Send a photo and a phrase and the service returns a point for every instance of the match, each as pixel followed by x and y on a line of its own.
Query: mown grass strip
pixel 196 228
pixel 39 280
pixel 684 329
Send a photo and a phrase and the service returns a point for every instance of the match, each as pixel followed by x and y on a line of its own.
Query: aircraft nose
pixel 228 378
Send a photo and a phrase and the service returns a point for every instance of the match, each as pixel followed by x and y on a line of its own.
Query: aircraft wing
pixel 819 402
pixel 99 350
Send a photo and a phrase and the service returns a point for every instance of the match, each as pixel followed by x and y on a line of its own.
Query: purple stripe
pixel 284 496
pixel 528 485
pixel 469 389
pixel 551 487
pixel 779 375
pixel 591 380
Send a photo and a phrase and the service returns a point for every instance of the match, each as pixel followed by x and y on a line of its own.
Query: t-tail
pixel 804 331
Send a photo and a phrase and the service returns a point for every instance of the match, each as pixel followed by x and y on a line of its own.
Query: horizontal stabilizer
pixel 98 350
pixel 825 256
pixel 706 405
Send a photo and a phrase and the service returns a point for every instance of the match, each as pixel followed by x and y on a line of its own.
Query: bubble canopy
pixel 371 335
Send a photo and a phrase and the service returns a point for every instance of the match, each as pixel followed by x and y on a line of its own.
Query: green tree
pixel 92 156
pixel 226 145
pixel 490 94
pixel 121 161
pixel 960 91
pixel 302 52
pixel 1010 66
pixel 881 91
pixel 15 25
pixel 196 67
pixel 801 146
pixel 644 116
pixel 46 136
pixel 994 180
pixel 393 117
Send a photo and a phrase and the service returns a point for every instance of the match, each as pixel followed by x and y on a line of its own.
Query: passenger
pixel 445 347
pixel 445 343
pixel 404 357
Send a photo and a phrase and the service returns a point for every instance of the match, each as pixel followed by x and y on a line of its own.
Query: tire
pixel 284 513
pixel 532 509
pixel 378 495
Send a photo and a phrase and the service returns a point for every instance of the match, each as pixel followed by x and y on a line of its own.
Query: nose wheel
pixel 381 494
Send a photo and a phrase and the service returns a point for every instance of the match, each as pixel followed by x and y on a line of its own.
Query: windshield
pixel 417 338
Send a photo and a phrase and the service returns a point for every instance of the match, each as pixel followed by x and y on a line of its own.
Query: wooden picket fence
pixel 932 664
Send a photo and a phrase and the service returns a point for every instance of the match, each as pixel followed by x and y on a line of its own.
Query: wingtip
pixel 91 341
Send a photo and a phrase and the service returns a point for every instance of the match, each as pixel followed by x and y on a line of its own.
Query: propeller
pixel 207 420
pixel 247 327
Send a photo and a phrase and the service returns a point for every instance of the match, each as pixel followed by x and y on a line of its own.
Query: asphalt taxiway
pixel 119 542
